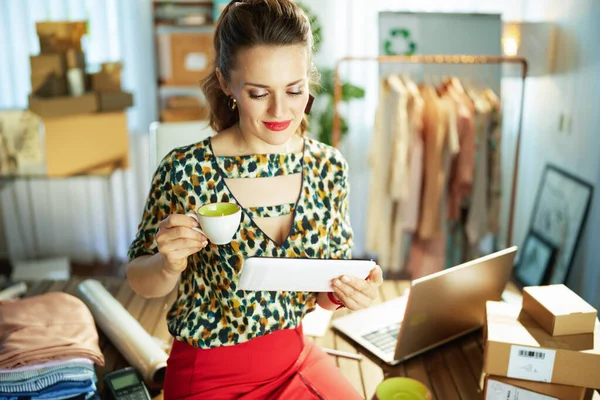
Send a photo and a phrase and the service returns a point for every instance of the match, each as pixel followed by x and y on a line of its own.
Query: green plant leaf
pixel 350 91
pixel 325 122
pixel 326 82
pixel 326 125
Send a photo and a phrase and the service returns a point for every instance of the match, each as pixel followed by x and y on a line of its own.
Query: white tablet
pixel 298 274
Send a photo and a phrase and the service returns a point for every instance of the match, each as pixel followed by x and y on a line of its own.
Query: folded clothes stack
pixel 48 348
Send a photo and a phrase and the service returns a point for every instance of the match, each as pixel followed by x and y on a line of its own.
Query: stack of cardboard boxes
pixel 547 349
pixel 83 115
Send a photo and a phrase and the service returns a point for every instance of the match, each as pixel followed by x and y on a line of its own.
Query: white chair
pixel 165 136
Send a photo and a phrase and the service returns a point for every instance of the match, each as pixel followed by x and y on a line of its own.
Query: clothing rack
pixel 440 59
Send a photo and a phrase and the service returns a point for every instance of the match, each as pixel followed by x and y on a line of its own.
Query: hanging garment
pixel 477 222
pixel 428 255
pixel 463 166
pixel 495 161
pixel 434 134
pixel 379 210
pixel 400 140
pixel 412 204
pixel 389 171
pixel 400 172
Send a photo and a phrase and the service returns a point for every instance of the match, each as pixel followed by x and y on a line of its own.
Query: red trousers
pixel 281 365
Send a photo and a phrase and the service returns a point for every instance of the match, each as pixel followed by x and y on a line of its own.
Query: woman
pixel 294 195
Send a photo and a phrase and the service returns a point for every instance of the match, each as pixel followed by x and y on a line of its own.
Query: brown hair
pixel 245 24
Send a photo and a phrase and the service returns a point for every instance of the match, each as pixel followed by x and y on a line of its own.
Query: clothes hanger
pixel 489 92
pixel 410 85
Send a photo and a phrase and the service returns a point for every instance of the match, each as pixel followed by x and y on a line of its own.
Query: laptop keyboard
pixel 384 339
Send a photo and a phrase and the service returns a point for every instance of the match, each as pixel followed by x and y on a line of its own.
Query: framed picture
pixel 535 259
pixel 559 215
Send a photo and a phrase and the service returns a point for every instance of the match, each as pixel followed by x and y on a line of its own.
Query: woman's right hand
pixel 176 240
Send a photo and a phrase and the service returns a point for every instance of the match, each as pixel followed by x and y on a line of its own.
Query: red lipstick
pixel 276 125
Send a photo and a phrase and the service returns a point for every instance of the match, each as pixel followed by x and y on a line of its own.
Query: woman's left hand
pixel 357 293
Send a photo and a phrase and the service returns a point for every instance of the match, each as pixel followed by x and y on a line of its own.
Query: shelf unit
pixel 177 55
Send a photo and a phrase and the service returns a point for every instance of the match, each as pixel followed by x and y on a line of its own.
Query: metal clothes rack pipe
pixel 440 59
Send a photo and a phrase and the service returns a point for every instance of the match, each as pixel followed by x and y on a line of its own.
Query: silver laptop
pixel 437 309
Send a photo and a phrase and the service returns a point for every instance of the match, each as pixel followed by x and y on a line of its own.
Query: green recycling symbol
pixel 402 34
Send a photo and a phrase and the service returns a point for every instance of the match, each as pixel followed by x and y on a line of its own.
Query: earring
pixel 232 103
pixel 311 99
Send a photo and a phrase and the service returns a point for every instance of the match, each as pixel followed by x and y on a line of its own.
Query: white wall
pixel 573 89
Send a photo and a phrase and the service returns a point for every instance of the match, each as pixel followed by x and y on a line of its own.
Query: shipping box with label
pixel 559 310
pixel 502 388
pixel 185 58
pixel 518 347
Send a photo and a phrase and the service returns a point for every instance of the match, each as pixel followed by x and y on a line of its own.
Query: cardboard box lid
pixel 506 323
pixel 559 299
pixel 63 105
pixel 112 101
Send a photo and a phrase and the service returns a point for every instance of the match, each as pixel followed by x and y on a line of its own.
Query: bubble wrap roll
pixel 124 331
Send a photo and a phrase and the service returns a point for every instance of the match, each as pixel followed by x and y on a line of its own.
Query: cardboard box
pixel 63 106
pixel 185 58
pixel 183 102
pixel 75 59
pixel 106 82
pixel 116 101
pixel 82 143
pixel 517 347
pixel 559 310
pixel 60 36
pixel 48 75
pixel 50 85
pixel 72 30
pixel 48 64
pixel 501 388
pixel 111 67
pixel 184 114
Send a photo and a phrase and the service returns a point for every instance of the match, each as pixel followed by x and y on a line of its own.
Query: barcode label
pixel 532 354
pixel 531 364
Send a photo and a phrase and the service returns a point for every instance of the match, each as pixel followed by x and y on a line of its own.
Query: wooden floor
pixel 452 371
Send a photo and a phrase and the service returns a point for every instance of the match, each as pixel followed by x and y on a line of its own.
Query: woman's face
pixel 270 85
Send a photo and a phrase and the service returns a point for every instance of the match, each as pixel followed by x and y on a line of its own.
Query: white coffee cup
pixel 218 221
